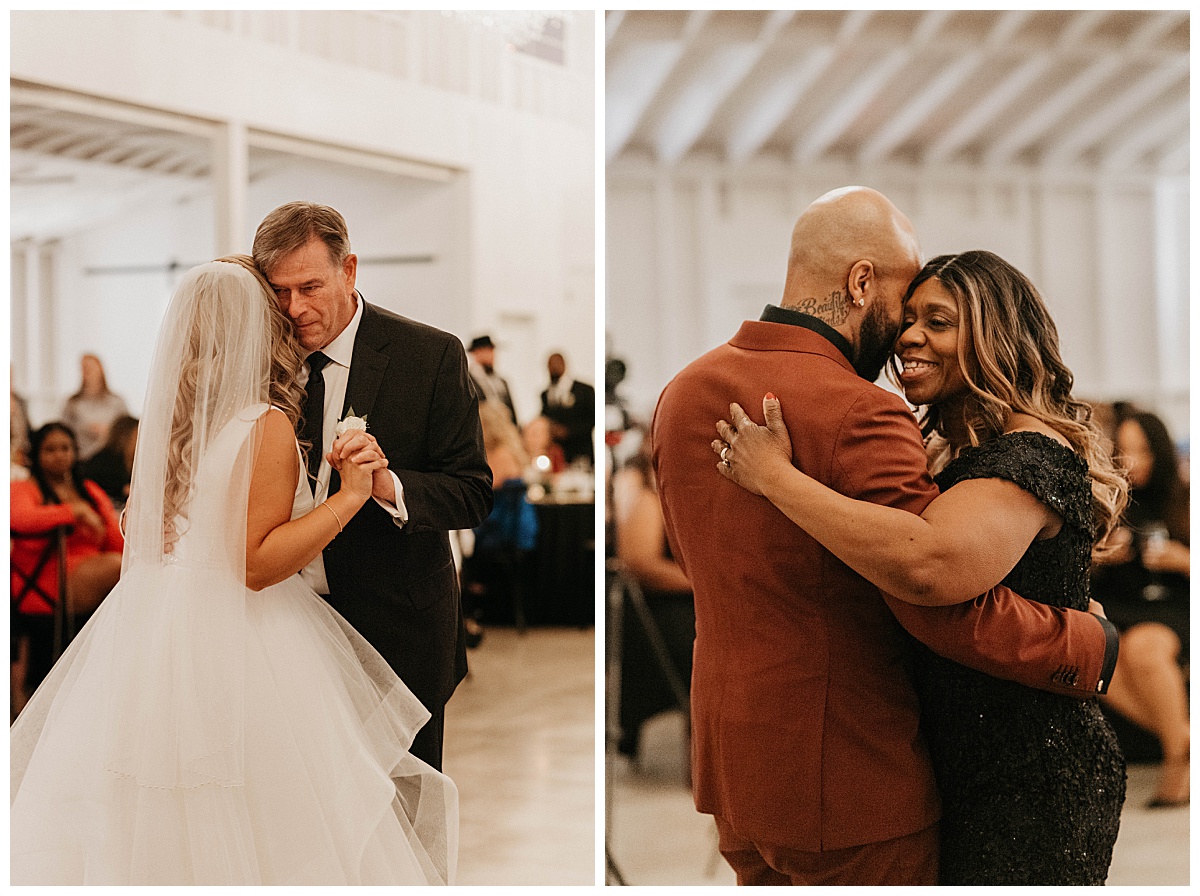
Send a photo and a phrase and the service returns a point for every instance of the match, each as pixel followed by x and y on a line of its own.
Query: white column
pixel 231 176
pixel 713 288
pixel 665 287
pixel 1172 266
pixel 48 333
pixel 19 321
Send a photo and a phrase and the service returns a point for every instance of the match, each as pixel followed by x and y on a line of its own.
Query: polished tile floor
pixel 521 746
pixel 657 837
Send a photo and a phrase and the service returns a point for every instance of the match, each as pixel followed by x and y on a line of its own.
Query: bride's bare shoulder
pixel 275 434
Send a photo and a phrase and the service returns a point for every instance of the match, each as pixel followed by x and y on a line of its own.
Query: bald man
pixel 806 745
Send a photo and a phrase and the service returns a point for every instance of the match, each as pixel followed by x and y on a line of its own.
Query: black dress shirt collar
pixel 774 314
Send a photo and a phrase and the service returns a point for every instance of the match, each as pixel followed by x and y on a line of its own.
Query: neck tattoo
pixel 833 309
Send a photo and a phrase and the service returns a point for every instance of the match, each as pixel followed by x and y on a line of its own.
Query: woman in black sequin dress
pixel 1032 783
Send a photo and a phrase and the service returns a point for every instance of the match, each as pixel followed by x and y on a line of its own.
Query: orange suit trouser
pixel 911 860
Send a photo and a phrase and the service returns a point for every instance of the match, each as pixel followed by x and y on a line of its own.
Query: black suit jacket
pixel 398 586
pixel 579 419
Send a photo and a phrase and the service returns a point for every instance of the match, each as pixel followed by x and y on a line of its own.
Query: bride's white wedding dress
pixel 197 732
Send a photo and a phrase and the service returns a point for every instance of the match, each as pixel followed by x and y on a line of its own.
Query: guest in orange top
pixel 56 494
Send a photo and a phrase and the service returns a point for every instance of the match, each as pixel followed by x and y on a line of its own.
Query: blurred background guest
pixel 1143 583
pixel 112 466
pixel 641 547
pixel 496 568
pixel 570 406
pixel 482 367
pixel 18 435
pixel 91 411
pixel 545 454
pixel 57 496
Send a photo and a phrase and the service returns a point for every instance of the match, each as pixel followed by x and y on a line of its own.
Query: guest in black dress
pixel 1143 581
pixel 647 688
pixel 1032 783
pixel 111 467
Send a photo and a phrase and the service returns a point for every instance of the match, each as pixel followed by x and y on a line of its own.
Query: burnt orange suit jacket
pixel 804 718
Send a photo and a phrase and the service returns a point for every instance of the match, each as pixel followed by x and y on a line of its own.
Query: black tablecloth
pixel 564 570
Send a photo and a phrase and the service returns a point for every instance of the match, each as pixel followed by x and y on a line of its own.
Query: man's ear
pixel 862 276
pixel 350 270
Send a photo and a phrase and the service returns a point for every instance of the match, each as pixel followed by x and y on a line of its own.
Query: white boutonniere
pixel 350 422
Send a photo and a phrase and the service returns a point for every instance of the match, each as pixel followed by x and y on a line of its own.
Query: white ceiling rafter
pixel 1052 109
pixel 646 71
pixel 842 114
pixel 612 21
pixel 1050 89
pixel 693 109
pixel 1175 158
pixel 762 118
pixel 1164 128
pixel 1110 115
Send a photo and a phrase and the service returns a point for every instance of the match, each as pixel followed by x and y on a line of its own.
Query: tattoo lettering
pixel 835 309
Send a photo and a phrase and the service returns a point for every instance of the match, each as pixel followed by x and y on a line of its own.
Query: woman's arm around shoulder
pixel 965 542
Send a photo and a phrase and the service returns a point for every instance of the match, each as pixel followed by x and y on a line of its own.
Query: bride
pixel 216 722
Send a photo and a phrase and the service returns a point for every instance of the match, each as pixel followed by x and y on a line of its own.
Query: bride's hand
pixel 753 455
pixel 357 456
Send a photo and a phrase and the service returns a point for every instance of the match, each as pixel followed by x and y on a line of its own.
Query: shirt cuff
pixel 399 513
pixel 1111 640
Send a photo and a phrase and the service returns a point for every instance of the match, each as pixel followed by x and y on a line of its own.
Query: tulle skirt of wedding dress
pixel 312 783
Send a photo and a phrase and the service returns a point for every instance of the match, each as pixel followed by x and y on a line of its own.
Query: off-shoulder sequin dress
pixel 1032 783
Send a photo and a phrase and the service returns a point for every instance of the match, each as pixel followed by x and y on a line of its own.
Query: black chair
pixel 628 605
pixel 63 625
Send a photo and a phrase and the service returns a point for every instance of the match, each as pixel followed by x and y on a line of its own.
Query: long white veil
pixel 186 533
pixel 184 563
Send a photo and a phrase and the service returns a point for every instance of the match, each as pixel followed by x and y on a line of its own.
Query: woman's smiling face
pixel 928 346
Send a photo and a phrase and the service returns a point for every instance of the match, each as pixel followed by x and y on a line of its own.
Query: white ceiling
pixel 1087 89
pixel 1090 90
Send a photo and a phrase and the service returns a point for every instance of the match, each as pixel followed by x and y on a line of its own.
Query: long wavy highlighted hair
pixel 1009 355
pixel 202 370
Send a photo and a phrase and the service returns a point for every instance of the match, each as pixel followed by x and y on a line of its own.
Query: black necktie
pixel 314 412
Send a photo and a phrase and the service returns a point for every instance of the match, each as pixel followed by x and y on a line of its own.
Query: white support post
pixel 231 176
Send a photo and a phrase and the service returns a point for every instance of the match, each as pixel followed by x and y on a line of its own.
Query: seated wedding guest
pixel 509 533
pixel 642 548
pixel 1143 585
pixel 539 443
pixel 570 406
pixel 112 466
pixel 57 494
pixel 91 410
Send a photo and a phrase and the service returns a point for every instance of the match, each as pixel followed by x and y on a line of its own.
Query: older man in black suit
pixel 390 573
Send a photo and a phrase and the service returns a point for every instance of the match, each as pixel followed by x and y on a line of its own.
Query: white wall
pixel 692 251
pixel 512 230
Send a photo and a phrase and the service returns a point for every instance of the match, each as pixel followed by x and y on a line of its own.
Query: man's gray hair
pixel 291 226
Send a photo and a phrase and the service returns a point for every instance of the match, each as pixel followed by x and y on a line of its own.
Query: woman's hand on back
pixel 751 455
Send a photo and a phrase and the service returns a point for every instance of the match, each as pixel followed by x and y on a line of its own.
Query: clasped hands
pixel 360 463
pixel 752 455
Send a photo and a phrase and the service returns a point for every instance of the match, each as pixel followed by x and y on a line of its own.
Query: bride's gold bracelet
pixel 335 516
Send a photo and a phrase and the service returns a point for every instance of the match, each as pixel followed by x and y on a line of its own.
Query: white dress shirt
pixel 337 375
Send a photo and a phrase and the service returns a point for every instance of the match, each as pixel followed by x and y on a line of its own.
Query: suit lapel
pixel 367 366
